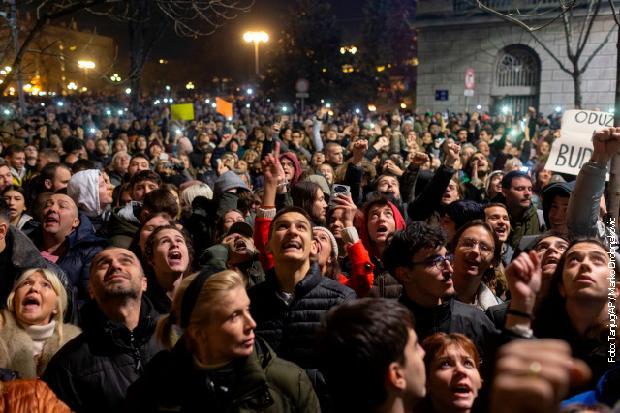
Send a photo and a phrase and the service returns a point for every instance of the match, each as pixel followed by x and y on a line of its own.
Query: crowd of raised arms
pixel 325 259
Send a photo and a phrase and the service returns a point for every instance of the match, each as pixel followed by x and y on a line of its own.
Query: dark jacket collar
pixel 428 316
pixel 310 281
pixel 250 385
pixel 96 325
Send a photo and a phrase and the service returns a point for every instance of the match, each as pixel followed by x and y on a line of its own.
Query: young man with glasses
pixel 417 257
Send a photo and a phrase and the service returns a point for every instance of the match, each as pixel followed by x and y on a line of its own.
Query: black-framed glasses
pixel 439 261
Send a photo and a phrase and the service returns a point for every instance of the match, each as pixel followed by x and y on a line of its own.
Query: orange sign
pixel 224 108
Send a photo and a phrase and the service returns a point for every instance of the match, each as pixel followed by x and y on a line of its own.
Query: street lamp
pixel 256 38
pixel 86 64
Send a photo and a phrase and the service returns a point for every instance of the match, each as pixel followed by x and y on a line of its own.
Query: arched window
pixel 517 78
pixel 518 67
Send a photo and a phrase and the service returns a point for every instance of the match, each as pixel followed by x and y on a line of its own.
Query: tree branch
pixel 595 51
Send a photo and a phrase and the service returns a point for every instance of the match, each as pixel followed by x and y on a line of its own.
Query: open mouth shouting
pixel 462 390
pixel 51 219
pixel 292 246
pixel 31 302
pixel 382 231
pixel 175 258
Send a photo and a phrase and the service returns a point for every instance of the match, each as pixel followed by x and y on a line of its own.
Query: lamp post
pixel 256 38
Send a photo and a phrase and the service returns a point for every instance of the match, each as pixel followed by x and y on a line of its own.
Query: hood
pixel 361 224
pixel 550 191
pixel 227 181
pixel 83 188
pixel 293 158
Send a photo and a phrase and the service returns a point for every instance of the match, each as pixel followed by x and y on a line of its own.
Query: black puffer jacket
pixel 92 372
pixel 290 329
pixel 262 382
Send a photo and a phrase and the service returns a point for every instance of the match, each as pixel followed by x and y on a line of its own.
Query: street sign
pixel 470 79
pixel 302 95
pixel 441 95
pixel 468 92
pixel 302 85
pixel 574 146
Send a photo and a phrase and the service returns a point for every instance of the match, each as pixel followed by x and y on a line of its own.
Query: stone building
pixel 511 70
pixel 51 62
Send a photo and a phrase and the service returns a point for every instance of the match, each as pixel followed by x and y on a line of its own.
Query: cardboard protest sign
pixel 224 108
pixel 182 111
pixel 574 147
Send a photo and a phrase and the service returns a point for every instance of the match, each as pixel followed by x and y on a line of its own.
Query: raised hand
pixel 349 208
pixel 534 376
pixel 606 145
pixel 360 147
pixel 452 153
pixel 524 277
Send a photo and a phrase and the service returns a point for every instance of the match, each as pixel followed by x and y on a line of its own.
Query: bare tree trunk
pixel 577 97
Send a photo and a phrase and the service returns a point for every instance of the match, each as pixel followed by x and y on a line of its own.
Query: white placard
pixel 574 146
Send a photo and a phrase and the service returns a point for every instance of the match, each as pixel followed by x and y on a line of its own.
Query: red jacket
pixel 362 268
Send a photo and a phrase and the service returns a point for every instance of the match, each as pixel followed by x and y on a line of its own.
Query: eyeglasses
pixel 440 262
pixel 469 244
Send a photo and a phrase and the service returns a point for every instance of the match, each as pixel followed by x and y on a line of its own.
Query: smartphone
pixel 340 189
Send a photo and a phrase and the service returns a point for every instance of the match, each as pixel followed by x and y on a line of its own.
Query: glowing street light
pixel 72 86
pixel 256 38
pixel 128 91
pixel 190 86
pixel 115 77
pixel 86 64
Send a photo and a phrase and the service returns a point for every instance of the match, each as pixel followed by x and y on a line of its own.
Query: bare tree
pixel 148 19
pixel 577 19
pixel 45 11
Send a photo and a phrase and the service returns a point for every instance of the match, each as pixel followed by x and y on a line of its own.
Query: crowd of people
pixel 302 261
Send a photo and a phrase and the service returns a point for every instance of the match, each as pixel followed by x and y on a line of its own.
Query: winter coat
pixel 82 246
pixel 529 224
pixel 123 225
pixel 290 329
pixel 92 372
pixel 29 396
pixel 23 255
pixel 17 348
pixel 263 382
pixel 455 317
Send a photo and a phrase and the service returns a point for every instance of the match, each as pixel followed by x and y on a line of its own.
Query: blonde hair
pixel 57 286
pixel 212 288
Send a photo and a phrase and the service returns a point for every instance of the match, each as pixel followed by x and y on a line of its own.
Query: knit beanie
pixel 332 240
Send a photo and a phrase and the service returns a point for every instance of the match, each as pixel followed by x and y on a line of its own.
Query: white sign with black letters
pixel 574 147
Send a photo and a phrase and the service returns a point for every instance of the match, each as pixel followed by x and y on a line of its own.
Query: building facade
pixel 511 71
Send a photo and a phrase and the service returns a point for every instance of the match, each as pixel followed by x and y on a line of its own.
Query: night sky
pixel 224 53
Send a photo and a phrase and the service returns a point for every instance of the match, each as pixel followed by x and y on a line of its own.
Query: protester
pixel 15 198
pixel 369 347
pixel 168 251
pixel 92 372
pixel 418 259
pixel 475 253
pixel 33 329
pixel 68 239
pixel 453 378
pixel 218 363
